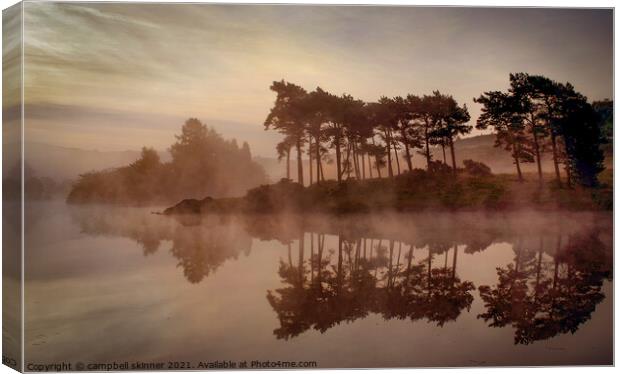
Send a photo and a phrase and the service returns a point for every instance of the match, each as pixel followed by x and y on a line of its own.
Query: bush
pixel 477 169
pixel 284 195
pixel 438 167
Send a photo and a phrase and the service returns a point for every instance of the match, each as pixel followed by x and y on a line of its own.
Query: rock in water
pixel 188 206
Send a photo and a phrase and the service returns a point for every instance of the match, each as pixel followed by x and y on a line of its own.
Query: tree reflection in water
pixel 200 244
pixel 403 267
pixel 543 296
pixel 364 278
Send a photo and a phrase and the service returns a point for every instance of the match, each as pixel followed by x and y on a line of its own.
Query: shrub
pixel 438 167
pixel 477 169
pixel 284 195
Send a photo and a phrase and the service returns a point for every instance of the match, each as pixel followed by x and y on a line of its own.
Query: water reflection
pixel 201 246
pixel 399 267
pixel 365 277
pixel 542 296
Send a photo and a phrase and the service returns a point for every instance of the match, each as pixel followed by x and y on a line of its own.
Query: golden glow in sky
pixel 119 76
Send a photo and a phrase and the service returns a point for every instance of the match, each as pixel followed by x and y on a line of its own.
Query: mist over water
pixel 435 289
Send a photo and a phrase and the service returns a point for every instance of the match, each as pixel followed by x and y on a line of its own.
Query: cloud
pixel 96 13
pixel 217 61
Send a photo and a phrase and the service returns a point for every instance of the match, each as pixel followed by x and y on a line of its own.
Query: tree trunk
pixel 569 177
pixel 443 150
pixel 537 149
pixel 400 246
pixel 453 156
pixel 321 243
pixel 376 160
pixel 310 160
pixel 408 155
pixel 318 158
pixel 311 258
pixel 290 257
pixel 300 267
pixel 555 159
pixel 356 162
pixel 428 150
pixel 377 251
pixel 348 164
pixel 359 164
pixel 339 279
pixel 363 166
pixel 430 265
pixel 338 157
pixel 396 157
pixel 389 153
pixel 518 257
pixel 456 250
pixel 556 262
pixel 365 240
pixel 288 163
pixel 408 271
pixel 515 155
pixel 300 167
pixel 518 169
pixel 389 284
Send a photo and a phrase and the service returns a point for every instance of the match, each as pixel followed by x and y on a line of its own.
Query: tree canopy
pixel 363 135
pixel 538 113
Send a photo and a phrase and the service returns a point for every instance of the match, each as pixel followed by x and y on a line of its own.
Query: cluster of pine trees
pixel 536 114
pixel 200 166
pixel 362 133
pixel 539 115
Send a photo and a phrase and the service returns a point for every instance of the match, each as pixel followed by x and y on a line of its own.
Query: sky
pixel 122 76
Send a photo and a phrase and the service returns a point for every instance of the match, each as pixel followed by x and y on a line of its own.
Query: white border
pixel 482 3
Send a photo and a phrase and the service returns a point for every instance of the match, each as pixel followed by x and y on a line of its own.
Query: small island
pixel 536 116
pixel 360 157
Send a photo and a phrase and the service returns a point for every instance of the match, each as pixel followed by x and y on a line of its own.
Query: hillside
pixel 481 148
pixel 62 163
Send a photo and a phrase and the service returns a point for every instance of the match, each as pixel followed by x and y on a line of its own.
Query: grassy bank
pixel 411 191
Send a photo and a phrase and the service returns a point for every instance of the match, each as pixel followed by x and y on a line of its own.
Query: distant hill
pixel 61 163
pixel 479 148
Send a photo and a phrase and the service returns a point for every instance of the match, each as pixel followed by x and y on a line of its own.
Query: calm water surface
pixel 120 284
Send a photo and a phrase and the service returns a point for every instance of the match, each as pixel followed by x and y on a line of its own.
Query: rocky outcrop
pixel 190 206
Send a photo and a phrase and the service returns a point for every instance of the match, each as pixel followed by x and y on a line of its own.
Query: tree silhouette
pixel 534 116
pixel 539 301
pixel 284 151
pixel 426 113
pixel 503 113
pixel 578 124
pixel 450 121
pixel 287 116
pixel 546 110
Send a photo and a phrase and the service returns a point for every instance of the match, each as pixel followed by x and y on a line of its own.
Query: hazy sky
pixel 119 76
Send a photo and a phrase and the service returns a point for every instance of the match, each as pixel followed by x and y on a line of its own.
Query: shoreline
pixel 407 193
